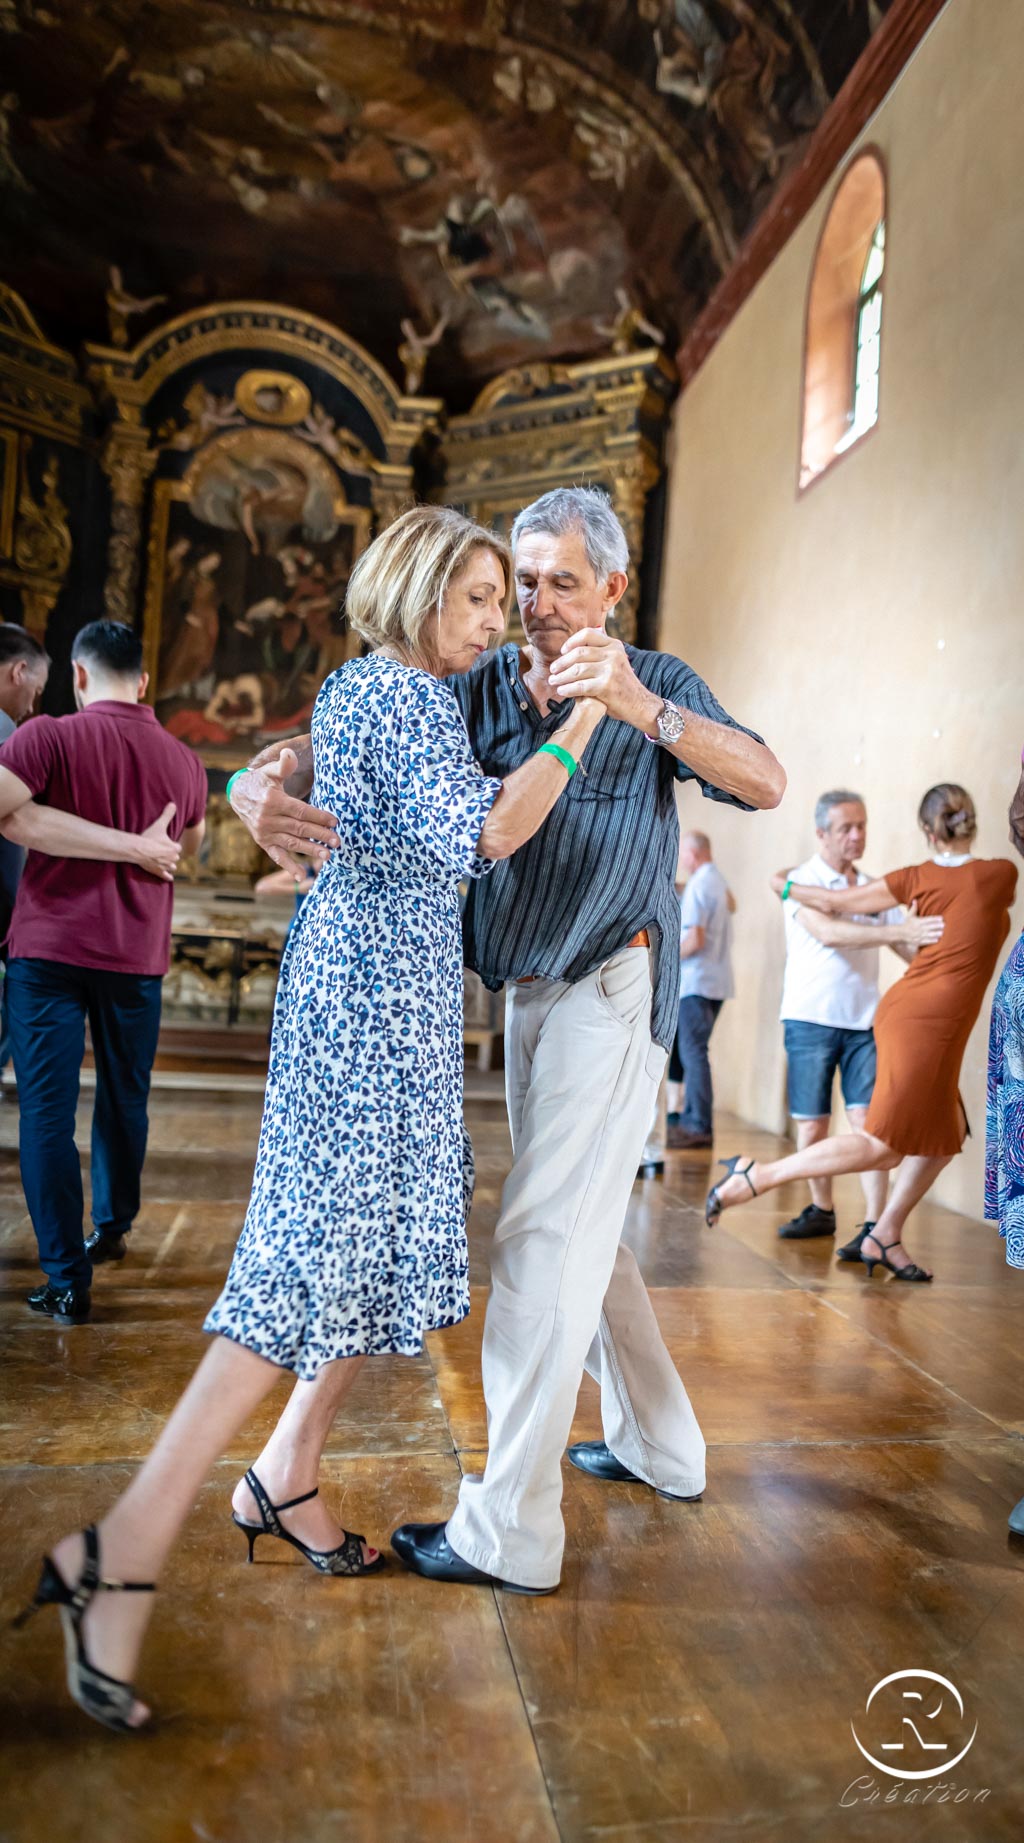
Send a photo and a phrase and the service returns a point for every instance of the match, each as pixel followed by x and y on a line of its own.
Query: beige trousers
pixel 582 1076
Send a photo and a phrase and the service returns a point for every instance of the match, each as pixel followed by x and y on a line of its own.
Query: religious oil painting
pixel 250 560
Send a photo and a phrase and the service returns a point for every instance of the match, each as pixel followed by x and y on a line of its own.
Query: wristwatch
pixel 671 723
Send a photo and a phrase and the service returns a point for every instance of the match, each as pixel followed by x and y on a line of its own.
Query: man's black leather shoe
pixel 66 1305
pixel 811 1221
pixel 424 1547
pixel 594 1457
pixel 100 1247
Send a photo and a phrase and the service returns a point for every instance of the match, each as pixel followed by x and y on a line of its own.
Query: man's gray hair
pixel 584 509
pixel 840 796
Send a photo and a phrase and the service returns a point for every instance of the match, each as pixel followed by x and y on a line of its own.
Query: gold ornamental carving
pixel 42 540
pixel 273 397
pixel 41 545
pixel 40 390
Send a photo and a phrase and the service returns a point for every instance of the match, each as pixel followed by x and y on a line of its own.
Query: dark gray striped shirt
pixel 603 864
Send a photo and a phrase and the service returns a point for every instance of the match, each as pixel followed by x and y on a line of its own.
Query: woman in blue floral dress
pixel 354 1243
pixel 1004 1113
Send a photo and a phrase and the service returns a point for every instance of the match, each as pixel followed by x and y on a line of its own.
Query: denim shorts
pixel 814 1052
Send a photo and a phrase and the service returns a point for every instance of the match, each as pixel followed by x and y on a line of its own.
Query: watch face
pixel 671 723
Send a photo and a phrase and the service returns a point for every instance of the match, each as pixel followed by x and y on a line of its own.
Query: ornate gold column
pixel 392 492
pixel 631 481
pixel 127 461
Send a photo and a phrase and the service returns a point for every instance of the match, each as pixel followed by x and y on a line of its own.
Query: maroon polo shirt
pixel 115 764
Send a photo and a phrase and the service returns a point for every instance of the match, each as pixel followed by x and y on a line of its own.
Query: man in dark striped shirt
pixel 582 926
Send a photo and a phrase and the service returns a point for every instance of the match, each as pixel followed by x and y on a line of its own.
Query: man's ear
pixel 79 675
pixel 19 671
pixel 614 588
pixel 143 685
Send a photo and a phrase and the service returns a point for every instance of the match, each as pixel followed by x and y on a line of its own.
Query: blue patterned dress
pixel 1004 1112
pixel 355 1238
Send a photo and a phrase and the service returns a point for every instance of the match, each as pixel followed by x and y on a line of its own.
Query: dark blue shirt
pixel 603 864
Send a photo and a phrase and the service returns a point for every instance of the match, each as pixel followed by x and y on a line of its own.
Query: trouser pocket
pixel 623 984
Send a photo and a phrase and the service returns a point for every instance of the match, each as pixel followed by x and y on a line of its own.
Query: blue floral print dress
pixel 355 1238
pixel 1004 1139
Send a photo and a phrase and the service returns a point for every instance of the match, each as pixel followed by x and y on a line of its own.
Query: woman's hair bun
pixel 947 812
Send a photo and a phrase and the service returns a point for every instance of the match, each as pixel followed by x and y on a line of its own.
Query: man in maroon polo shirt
pixel 90 940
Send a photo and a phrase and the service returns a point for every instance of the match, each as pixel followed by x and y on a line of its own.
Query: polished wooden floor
pixel 698 1673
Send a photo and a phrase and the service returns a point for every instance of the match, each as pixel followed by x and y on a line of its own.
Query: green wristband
pixel 786 887
pixel 569 762
pixel 235 777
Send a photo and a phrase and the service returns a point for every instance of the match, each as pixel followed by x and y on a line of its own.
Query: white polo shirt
pixel 837 986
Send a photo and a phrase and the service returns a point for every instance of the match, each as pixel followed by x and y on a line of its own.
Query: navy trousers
pixel 48 1004
pixel 697 1019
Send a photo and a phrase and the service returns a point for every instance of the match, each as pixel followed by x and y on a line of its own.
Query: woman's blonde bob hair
pixel 399 584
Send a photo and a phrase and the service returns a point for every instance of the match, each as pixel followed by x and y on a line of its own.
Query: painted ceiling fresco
pixel 461 184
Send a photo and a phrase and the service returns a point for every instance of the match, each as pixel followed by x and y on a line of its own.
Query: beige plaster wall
pixel 872 627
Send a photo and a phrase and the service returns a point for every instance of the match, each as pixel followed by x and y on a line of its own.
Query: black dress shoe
pixel 594 1456
pixel 100 1247
pixel 424 1547
pixel 811 1221
pixel 66 1305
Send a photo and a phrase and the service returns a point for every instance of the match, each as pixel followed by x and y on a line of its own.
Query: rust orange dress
pixel 924 1020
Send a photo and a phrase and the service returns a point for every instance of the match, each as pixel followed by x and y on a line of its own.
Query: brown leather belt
pixel 642 939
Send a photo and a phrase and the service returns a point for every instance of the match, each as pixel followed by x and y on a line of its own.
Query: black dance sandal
pixel 911 1272
pixel 105 1698
pixel 347 1559
pixel 713 1205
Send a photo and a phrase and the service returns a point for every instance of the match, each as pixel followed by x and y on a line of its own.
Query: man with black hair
pixel 91 939
pixel 24 669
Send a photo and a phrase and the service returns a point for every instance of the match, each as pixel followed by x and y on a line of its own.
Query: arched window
pixel 844 321
pixel 864 414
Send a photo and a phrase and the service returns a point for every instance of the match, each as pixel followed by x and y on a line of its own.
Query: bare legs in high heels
pixel 105 1626
pixel 846 1152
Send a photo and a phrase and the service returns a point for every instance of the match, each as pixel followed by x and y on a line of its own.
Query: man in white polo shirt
pixel 829 998
pixel 706 982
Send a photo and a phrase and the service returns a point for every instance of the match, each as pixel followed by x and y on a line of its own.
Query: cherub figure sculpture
pixel 412 353
pixel 121 306
pixel 629 324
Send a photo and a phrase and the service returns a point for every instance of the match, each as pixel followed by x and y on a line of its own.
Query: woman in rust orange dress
pixel 916 1118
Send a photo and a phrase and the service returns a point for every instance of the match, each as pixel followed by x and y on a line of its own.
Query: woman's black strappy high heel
pixel 713 1206
pixel 105 1698
pixel 348 1559
pixel 911 1272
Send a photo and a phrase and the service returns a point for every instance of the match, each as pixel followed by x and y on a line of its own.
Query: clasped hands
pixel 592 664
